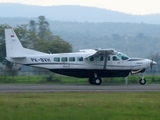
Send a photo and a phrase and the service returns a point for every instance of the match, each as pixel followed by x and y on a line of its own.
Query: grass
pixel 80 106
pixel 55 78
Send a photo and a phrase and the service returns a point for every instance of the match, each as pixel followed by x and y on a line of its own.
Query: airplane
pixel 87 63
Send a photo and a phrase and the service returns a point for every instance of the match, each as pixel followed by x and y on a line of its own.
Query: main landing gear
pixel 95 80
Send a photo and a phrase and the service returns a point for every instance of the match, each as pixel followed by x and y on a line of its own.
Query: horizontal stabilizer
pixel 18 57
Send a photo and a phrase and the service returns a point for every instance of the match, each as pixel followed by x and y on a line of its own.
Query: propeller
pixel 152 62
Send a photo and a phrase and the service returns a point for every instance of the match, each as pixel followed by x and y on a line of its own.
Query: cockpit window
pixel 115 58
pixel 122 56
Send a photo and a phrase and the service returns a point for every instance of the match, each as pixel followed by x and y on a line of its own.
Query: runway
pixel 20 88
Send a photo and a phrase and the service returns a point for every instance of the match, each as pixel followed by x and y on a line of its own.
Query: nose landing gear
pixel 142 81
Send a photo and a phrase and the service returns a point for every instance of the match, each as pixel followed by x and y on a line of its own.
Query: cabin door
pixel 117 63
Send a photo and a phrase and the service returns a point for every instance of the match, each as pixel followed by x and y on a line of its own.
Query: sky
pixel 135 7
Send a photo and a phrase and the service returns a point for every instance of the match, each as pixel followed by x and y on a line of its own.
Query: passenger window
pixel 108 58
pixel 79 58
pixel 100 58
pixel 71 59
pixel 115 58
pixel 56 59
pixel 64 59
pixel 91 59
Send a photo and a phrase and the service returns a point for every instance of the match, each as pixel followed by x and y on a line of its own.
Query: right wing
pixel 100 52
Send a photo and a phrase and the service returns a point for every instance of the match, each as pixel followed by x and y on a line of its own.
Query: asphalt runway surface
pixel 20 88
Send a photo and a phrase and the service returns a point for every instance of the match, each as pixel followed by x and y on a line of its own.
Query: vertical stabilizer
pixel 13 45
pixel 14 48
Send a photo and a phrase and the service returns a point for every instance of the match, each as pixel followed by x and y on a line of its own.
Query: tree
pixel 43 40
pixel 140 35
pixel 43 27
pixel 55 46
pixel 32 26
pixel 2 42
pixel 116 36
pixel 23 34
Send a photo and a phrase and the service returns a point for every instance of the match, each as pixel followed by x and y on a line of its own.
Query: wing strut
pixel 106 54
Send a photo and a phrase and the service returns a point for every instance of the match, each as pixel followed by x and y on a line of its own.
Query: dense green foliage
pixel 80 106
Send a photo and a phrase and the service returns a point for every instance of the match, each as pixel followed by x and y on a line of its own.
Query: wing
pixel 99 52
pixel 102 52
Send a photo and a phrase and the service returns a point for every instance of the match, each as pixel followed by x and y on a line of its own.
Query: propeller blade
pixel 152 63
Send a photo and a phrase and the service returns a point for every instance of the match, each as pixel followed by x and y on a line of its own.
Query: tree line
pixel 34 35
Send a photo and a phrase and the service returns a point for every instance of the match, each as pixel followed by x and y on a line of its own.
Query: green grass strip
pixel 80 106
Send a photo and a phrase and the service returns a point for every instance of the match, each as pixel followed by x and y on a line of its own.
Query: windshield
pixel 122 56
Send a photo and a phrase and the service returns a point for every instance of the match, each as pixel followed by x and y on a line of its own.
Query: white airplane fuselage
pixel 73 67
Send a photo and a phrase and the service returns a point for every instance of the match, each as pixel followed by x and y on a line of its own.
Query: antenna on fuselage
pixel 49 52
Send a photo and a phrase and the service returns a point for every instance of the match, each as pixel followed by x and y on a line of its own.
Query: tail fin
pixel 14 48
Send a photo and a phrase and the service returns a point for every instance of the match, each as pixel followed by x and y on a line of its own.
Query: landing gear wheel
pixel 91 81
pixel 142 81
pixel 97 80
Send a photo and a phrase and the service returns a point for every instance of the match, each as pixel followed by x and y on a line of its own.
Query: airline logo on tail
pixel 12 34
pixel 12 37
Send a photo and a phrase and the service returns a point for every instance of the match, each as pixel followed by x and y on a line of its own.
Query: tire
pixel 91 81
pixel 142 81
pixel 97 81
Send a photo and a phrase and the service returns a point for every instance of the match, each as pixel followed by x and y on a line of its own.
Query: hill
pixel 74 13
